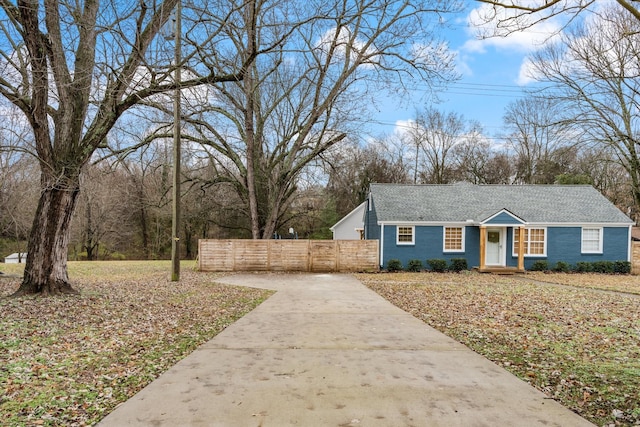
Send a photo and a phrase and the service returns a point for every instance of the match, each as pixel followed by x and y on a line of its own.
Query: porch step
pixel 506 271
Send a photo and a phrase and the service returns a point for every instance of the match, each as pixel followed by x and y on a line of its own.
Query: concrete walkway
pixel 327 351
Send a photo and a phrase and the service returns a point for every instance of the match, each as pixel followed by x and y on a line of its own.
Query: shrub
pixel 605 267
pixel 622 267
pixel 117 256
pixel 458 265
pixel 394 265
pixel 540 265
pixel 437 265
pixel 583 267
pixel 562 267
pixel 414 265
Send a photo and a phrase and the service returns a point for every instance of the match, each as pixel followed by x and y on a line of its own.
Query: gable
pixel 504 217
pixel 356 216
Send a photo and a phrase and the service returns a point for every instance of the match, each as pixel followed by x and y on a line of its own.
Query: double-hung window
pixel 535 241
pixel 453 239
pixel 405 235
pixel 592 240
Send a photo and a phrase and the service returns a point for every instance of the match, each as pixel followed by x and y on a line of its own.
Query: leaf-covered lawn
pixel 619 283
pixel 578 345
pixel 70 360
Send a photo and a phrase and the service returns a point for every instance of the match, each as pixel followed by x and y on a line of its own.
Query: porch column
pixel 483 246
pixel 521 249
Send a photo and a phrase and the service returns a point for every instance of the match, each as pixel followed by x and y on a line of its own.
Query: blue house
pixel 496 226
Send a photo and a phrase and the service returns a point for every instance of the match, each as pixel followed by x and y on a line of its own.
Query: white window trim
pixel 413 235
pixel 600 236
pixel 381 245
pixel 527 255
pixel 444 239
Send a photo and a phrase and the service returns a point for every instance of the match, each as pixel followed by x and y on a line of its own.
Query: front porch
pixel 497 242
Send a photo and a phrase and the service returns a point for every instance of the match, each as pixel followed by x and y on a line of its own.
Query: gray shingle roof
pixel 464 201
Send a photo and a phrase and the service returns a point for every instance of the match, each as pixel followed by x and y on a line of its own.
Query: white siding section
pixel 348 227
pixel 16 258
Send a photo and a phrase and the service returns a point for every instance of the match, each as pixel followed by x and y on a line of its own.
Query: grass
pixel 70 360
pixel 578 345
pixel 617 283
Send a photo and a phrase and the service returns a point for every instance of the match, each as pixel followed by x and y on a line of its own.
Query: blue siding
pixel 428 245
pixel 472 248
pixel 616 242
pixel 565 243
pixel 428 241
pixel 504 219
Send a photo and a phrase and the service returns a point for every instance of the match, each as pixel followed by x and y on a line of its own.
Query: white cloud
pixel 486 36
pixel 404 127
pixel 483 27
pixel 527 73
pixel 462 65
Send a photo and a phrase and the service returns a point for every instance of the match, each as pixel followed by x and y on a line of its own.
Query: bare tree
pixel 18 180
pixel 595 75
pixel 477 160
pixel 605 173
pixel 436 133
pixel 352 169
pixel 93 212
pixel 297 102
pixel 104 220
pixel 73 68
pixel 18 198
pixel 536 131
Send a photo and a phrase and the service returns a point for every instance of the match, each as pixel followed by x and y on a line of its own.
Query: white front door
pixel 495 247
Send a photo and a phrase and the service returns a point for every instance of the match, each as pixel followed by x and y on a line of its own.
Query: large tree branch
pixel 630 8
pixel 37 112
pixel 61 73
pixel 532 9
pixel 550 5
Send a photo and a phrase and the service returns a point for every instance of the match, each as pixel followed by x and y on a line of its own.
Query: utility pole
pixel 175 208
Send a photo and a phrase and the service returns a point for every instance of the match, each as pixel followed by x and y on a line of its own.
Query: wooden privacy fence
pixel 288 255
pixel 635 257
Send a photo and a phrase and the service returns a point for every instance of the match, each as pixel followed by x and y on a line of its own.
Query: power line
pixel 510 87
pixel 484 94
pixel 400 125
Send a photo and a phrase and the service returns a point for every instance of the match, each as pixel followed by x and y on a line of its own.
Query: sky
pixel 493 73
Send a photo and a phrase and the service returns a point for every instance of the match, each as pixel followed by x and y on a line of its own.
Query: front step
pixel 506 271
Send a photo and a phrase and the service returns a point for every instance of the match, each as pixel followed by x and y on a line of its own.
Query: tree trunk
pixel 188 242
pixel 144 227
pixel 89 243
pixel 250 137
pixel 142 218
pixel 45 272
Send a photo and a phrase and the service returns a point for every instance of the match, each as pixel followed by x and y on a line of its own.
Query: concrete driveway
pixel 325 350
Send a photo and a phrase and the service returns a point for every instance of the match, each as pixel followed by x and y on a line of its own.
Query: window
pixel 592 240
pixel 535 243
pixel 453 239
pixel 405 236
